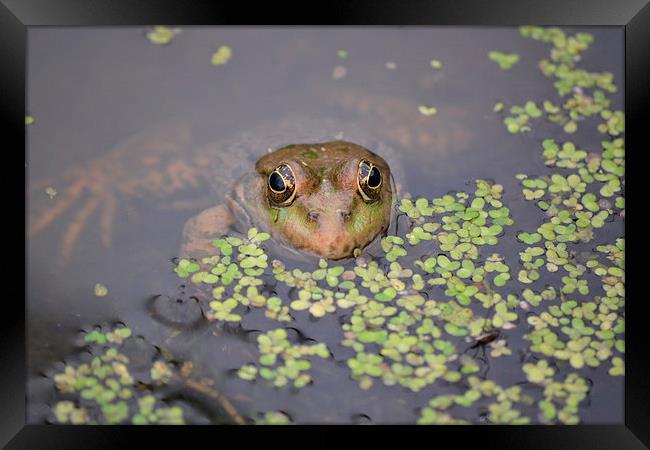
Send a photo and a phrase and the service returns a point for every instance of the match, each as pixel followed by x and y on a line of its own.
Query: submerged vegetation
pixel 437 303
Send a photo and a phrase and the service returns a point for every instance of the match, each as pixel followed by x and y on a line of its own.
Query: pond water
pixel 118 211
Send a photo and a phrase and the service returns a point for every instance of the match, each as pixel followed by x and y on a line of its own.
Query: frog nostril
pixel 344 213
pixel 313 215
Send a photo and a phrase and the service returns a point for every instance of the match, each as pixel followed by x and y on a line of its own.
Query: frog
pixel 329 199
pixel 166 167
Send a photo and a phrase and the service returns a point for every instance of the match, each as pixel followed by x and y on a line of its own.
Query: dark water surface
pixel 91 88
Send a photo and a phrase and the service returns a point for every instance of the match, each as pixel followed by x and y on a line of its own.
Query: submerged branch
pixel 215 395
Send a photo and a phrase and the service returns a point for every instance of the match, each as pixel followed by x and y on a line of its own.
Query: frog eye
pixel 282 185
pixel 369 181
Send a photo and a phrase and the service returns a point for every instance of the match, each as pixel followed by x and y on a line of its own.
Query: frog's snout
pixel 330 238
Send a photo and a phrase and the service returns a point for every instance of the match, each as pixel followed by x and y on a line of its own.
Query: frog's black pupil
pixel 276 182
pixel 374 179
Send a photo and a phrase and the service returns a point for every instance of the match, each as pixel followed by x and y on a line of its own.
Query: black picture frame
pixel 17 16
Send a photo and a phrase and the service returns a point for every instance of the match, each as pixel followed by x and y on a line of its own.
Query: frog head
pixel 325 198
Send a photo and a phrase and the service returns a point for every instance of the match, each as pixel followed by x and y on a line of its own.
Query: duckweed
pixel 504 60
pixel 221 56
pixel 398 335
pixel 103 390
pixel 427 110
pixel 281 362
pixel 50 192
pixel 162 35
pixel 486 394
pixel 274 418
pixel 100 290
